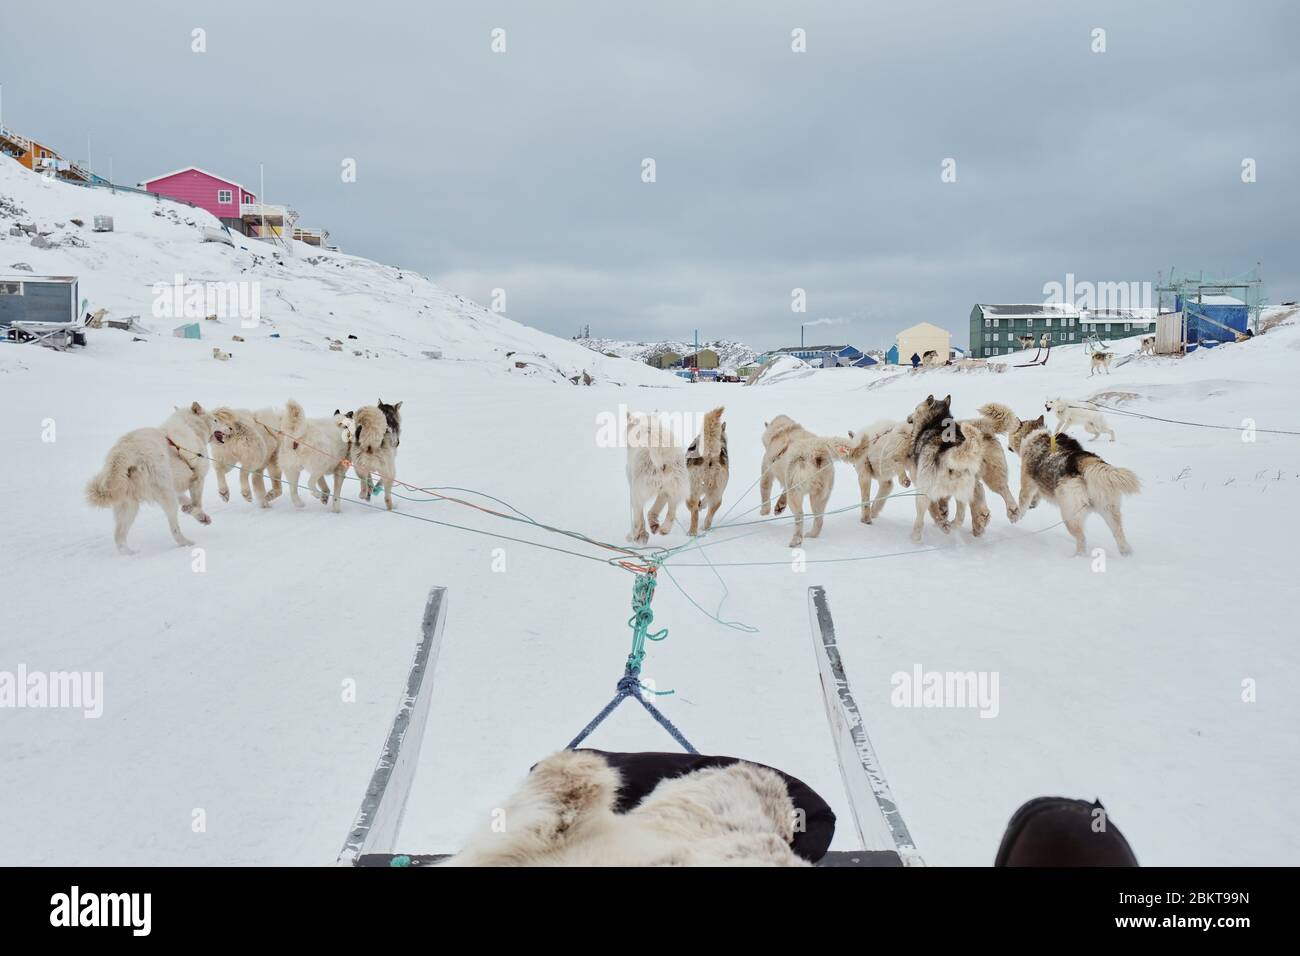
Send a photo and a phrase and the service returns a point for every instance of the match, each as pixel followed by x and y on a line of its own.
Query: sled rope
pixel 629 685
pixel 1174 421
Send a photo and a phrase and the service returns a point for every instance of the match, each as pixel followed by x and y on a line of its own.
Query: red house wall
pixel 200 189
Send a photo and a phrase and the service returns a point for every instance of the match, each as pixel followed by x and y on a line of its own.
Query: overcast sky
pixel 775 170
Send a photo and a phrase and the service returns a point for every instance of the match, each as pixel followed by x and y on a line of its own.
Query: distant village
pixel 238 207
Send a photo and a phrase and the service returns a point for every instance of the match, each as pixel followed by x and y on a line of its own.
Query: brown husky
pixel 706 464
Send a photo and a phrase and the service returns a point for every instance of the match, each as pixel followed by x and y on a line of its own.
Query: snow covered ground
pixel 227 690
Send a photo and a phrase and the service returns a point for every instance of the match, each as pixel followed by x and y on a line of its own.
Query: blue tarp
pixel 1232 314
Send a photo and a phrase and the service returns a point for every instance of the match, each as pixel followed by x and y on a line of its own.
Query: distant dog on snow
pixel 1101 361
pixel 707 467
pixel 804 465
pixel 1147 346
pixel 248 441
pixel 882 452
pixel 317 446
pixel 656 473
pixel 377 433
pixel 165 465
pixel 564 815
pixel 1069 413
pixel 1078 481
pixel 219 355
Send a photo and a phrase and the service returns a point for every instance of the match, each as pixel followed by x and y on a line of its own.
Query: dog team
pixel 168 465
pixel 944 458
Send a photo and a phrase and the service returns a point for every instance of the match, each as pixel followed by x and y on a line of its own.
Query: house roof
pixel 791 349
pixel 197 169
pixel 1030 310
pixel 926 327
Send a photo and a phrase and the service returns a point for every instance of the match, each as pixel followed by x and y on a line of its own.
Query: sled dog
pixel 377 431
pixel 247 440
pixel 804 465
pixel 1101 361
pixel 1070 413
pixel 995 419
pixel 1078 481
pixel 948 455
pixel 1147 346
pixel 656 473
pixel 318 446
pixel 881 451
pixel 165 465
pixel 708 470
pixel 564 815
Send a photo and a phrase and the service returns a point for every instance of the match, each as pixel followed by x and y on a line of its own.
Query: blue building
pixel 1211 317
pixel 823 356
pixel 891 357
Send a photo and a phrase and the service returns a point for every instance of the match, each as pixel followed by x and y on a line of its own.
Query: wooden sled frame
pixel 885 839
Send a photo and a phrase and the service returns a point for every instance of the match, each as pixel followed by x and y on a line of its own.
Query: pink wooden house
pixel 219 196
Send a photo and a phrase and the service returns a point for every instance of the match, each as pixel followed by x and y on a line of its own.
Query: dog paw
pixel 865 519
pixel 225 495
pixel 1013 515
pixel 246 495
pixel 184 542
pixel 187 508
pixel 1126 550
pixel 124 550
pixel 203 518
pixel 905 482
pixel 264 503
pixel 795 542
pixel 765 510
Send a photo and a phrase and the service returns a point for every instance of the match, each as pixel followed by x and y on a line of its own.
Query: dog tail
pixel 1104 480
pixel 113 484
pixel 371 428
pixel 998 418
pixel 294 416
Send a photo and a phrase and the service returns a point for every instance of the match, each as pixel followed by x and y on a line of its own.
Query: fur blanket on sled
pixel 564 814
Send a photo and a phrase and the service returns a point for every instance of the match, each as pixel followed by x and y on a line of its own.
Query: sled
pixel 373 839
pixel 1036 359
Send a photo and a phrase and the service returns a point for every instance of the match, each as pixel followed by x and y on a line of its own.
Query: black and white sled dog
pixel 1079 482
pixel 377 433
pixel 948 456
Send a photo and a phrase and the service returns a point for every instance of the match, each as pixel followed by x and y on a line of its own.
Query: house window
pixel 995 336
pixel 11 288
pixel 1128 326
pixel 1107 326
pixel 1071 336
pixel 225 197
pixel 1047 322
pixel 987 323
pixel 1029 323
pixel 247 197
pixel 995 323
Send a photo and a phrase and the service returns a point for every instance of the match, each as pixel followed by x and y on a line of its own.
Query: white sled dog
pixel 1078 481
pixel 708 468
pixel 656 473
pixel 248 441
pixel 949 455
pixel 564 815
pixel 1101 362
pixel 1147 346
pixel 882 451
pixel 377 433
pixel 1070 413
pixel 165 465
pixel 318 446
pixel 804 465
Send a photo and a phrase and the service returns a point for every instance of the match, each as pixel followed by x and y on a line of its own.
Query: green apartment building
pixel 997 329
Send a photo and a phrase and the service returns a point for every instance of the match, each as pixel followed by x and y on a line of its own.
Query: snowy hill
pixel 255 677
pixel 730 354
pixel 311 297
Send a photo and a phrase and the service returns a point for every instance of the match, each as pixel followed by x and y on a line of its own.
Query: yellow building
pixel 923 338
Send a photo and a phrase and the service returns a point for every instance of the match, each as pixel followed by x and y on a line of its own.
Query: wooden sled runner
pixel 373 839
